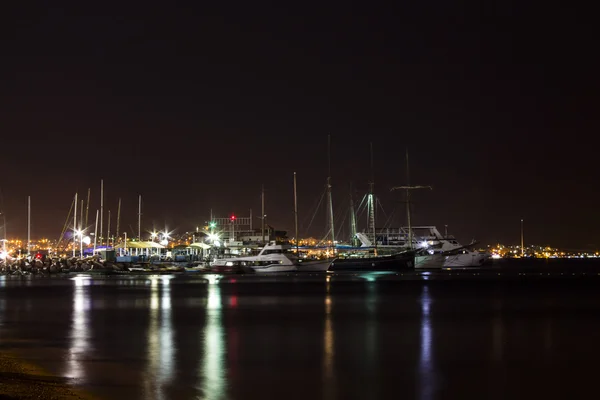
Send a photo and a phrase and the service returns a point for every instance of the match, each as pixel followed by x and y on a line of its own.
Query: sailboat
pixel 425 258
pixel 390 262
pixel 311 265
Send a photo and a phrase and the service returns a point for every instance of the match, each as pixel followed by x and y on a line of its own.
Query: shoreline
pixel 22 380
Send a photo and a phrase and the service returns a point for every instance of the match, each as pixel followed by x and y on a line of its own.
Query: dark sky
pixel 194 108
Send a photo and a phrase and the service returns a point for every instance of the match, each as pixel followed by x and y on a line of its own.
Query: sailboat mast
pixel 108 231
pixel 352 218
pixel 296 215
pixel 81 214
pixel 410 236
pixel 101 207
pixel 262 217
pixel 408 188
pixel 28 225
pixel 140 219
pixel 95 232
pixel 119 218
pixel 329 199
pixel 87 208
pixel 372 202
pixel 74 222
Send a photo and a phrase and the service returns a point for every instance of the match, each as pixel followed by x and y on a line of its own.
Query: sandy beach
pixel 21 380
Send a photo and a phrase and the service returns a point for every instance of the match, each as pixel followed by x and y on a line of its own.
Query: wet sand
pixel 21 380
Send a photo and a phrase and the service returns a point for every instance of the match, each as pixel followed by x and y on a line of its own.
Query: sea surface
pixel 509 332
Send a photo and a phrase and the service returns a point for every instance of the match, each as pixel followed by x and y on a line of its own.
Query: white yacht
pixel 272 258
pixel 455 255
pixel 433 249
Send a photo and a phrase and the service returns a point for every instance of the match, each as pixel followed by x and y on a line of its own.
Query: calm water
pixel 348 338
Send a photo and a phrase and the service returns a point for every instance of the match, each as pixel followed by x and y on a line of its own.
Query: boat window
pixel 274 251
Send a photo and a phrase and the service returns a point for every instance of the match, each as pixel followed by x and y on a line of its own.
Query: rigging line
pixel 65 226
pixel 389 221
pixel 324 238
pixel 314 209
pixel 315 213
pixel 380 206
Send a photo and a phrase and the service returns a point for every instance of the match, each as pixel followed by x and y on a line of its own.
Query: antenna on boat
pixel 329 199
pixel 408 188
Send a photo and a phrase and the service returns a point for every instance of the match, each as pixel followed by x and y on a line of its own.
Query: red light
pixel 233 217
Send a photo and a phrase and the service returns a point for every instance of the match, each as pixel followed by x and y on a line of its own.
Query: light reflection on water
pixel 80 334
pixel 426 363
pixel 160 349
pixel 328 347
pixel 212 368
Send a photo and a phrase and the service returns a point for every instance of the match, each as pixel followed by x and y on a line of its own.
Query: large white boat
pixel 433 250
pixel 272 258
pixel 454 254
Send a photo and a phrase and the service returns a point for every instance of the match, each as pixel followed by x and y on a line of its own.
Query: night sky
pixel 195 108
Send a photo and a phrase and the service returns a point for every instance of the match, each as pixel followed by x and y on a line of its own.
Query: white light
pixel 164 242
pixel 424 244
pixel 87 240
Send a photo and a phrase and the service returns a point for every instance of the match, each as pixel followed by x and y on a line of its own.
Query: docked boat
pixel 465 258
pixel 272 258
pixel 313 265
pixel 392 262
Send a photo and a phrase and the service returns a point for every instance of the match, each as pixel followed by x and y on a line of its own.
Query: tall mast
pixel 140 219
pixel 81 216
pixel 119 218
pixel 522 247
pixel 371 203
pixel 4 222
pixel 95 232
pixel 74 222
pixel 28 224
pixel 101 207
pixel 108 231
pixel 408 188
pixel 262 199
pixel 352 218
pixel 296 214
pixel 410 241
pixel 329 199
pixel 87 208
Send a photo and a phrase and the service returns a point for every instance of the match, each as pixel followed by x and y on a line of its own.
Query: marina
pixel 365 335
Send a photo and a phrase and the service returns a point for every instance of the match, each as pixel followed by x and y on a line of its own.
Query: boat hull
pixel 395 262
pixel 314 266
pixel 468 260
pixel 274 268
pixel 430 261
